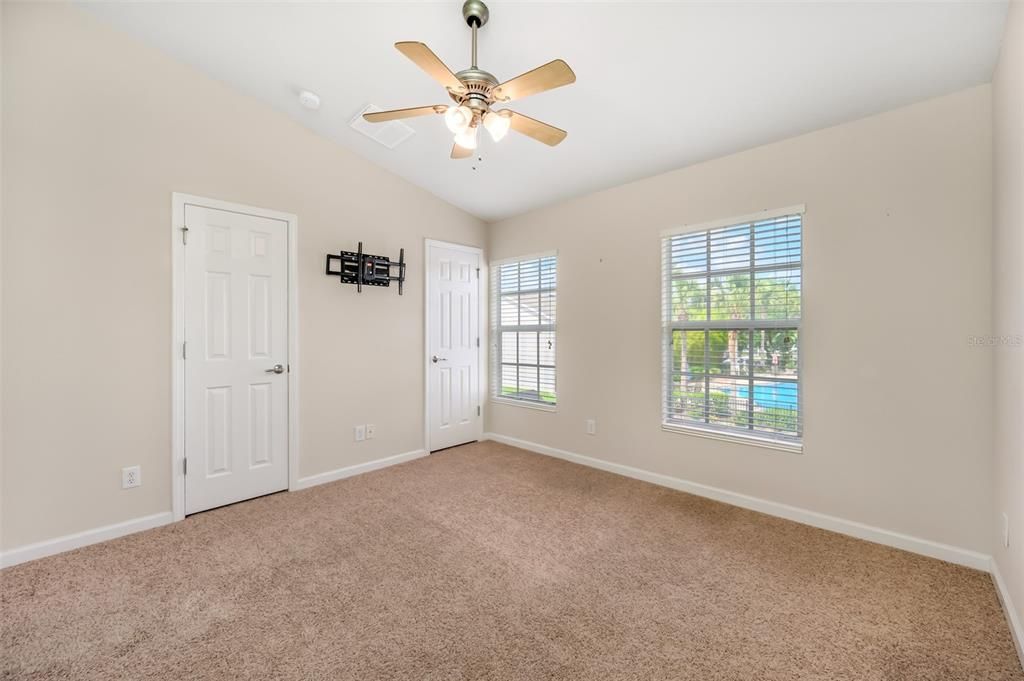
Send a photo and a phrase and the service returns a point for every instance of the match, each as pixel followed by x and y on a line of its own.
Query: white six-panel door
pixel 453 346
pixel 236 333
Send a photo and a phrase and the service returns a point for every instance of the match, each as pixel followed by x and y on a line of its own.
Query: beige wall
pixel 1008 302
pixel 897 253
pixel 1 260
pixel 98 131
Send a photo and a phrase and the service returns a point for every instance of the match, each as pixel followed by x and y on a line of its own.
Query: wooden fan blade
pixel 461 152
pixel 553 74
pixel 394 114
pixel 542 132
pixel 429 62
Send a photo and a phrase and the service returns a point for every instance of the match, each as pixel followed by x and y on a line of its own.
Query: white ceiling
pixel 659 85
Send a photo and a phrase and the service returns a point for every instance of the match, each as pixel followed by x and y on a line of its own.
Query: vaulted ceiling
pixel 659 85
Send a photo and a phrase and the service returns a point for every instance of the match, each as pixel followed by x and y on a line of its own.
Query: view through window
pixel 524 334
pixel 732 298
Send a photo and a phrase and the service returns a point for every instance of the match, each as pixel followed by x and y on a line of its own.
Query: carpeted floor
pixel 487 562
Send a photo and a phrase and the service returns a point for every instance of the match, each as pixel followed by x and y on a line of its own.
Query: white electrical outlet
pixel 371 430
pixel 360 433
pixel 131 477
pixel 1006 531
pixel 591 427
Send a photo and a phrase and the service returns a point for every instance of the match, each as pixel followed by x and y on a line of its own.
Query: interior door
pixel 236 357
pixel 453 346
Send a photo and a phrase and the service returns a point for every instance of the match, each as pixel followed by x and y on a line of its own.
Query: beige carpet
pixel 487 562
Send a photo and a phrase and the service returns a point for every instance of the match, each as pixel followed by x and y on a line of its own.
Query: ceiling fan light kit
pixel 467 138
pixel 497 124
pixel 458 118
pixel 475 91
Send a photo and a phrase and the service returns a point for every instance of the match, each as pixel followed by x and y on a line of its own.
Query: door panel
pixel 261 447
pixel 217 453
pixel 236 329
pixel 453 306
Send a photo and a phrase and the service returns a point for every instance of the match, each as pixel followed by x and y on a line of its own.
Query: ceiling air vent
pixel 390 134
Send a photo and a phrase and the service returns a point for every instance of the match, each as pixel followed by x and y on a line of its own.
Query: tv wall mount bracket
pixel 356 267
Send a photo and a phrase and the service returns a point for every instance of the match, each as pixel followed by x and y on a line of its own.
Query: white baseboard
pixel 49 547
pixel 349 471
pixel 925 547
pixel 1016 626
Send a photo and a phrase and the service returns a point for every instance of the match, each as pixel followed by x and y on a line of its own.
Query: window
pixel 731 323
pixel 523 314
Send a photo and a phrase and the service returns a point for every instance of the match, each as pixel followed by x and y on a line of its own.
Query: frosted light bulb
pixel 467 138
pixel 497 125
pixel 458 118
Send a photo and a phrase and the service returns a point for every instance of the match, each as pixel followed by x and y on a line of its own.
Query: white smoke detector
pixel 310 100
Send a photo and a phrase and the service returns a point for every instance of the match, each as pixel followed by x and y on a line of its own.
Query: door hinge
pixel 184 235
pixel 477 272
pixel 184 466
pixel 478 410
pixel 478 341
pixel 184 350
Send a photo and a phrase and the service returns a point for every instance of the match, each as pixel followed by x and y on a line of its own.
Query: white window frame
pixel 497 329
pixel 710 431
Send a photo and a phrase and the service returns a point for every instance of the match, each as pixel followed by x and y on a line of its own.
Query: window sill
pixel 792 447
pixel 539 406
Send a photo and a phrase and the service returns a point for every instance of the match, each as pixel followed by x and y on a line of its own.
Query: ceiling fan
pixel 474 91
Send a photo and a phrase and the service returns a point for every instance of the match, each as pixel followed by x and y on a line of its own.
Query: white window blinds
pixel 523 314
pixel 731 322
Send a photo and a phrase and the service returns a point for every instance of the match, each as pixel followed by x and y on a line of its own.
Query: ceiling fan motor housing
pixel 479 84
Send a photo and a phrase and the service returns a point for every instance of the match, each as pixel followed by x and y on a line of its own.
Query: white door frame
pixel 178 203
pixel 482 331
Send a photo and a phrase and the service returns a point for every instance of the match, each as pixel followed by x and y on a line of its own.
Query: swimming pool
pixel 772 395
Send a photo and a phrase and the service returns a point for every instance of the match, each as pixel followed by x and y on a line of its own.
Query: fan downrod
pixel 475 13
